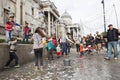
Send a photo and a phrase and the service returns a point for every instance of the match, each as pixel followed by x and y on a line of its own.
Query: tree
pixel 104 33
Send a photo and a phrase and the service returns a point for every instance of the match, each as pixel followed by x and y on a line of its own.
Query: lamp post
pixel 116 15
pixel 103 2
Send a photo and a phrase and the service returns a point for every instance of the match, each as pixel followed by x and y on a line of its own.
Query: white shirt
pixel 58 49
pixel 65 38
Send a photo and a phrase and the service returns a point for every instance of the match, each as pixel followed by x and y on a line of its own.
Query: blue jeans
pixel 64 48
pixel 112 44
pixel 119 42
pixel 8 35
pixel 25 38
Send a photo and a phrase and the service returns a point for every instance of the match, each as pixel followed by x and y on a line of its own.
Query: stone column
pixel 23 11
pixel 68 29
pixel 77 32
pixel 49 24
pixel 56 27
pixel 18 11
pixel 2 3
pixel 52 27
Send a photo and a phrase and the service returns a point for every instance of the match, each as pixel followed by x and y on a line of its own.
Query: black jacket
pixel 112 35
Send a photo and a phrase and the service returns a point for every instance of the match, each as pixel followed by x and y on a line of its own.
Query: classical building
pixel 38 13
pixel 51 16
pixel 67 26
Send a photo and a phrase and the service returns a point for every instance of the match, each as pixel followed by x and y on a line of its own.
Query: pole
pixel 104 15
pixel 116 15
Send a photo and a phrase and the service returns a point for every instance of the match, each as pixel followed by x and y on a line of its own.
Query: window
pixel 6 15
pixel 32 11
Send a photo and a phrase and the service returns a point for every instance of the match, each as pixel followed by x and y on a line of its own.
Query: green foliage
pixel 2 40
pixel 104 33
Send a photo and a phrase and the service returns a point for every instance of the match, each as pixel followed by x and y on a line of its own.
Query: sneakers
pixel 17 66
pixel 116 58
pixel 7 67
pixel 81 56
pixel 36 68
pixel 106 58
pixel 41 68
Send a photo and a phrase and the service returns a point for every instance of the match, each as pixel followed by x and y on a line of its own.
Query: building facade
pixel 38 13
pixel 51 16
pixel 67 26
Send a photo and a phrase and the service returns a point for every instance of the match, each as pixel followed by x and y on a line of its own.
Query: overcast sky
pixel 89 13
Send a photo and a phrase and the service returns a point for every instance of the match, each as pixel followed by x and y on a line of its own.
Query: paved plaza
pixel 91 67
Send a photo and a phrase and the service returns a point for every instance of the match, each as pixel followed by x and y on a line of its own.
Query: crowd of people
pixel 61 46
pixel 89 42
pixel 110 41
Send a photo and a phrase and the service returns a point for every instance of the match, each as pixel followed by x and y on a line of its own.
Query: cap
pixel 110 25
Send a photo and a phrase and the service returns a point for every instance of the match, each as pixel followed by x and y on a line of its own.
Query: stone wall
pixel 23 52
pixel 2 30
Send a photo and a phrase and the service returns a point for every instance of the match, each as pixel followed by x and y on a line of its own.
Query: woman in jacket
pixel 38 48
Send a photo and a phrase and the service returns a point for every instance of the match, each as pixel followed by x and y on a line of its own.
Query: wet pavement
pixel 90 67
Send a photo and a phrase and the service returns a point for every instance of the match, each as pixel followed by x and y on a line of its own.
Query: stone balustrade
pixel 23 52
pixel 2 31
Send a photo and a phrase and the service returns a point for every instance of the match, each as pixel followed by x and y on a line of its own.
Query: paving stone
pixel 92 67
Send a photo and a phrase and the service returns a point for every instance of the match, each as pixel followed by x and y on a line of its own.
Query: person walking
pixel 9 28
pixel 112 37
pixel 64 44
pixel 38 48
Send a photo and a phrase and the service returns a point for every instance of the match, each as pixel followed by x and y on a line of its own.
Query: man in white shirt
pixel 63 42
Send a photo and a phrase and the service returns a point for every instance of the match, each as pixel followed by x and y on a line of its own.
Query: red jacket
pixel 54 42
pixel 9 26
pixel 26 30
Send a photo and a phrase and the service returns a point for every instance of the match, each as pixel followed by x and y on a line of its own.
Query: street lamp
pixel 103 2
pixel 116 15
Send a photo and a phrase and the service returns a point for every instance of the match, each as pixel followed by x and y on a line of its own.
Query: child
pixel 12 53
pixel 81 50
pixel 89 49
pixel 50 49
pixel 58 51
